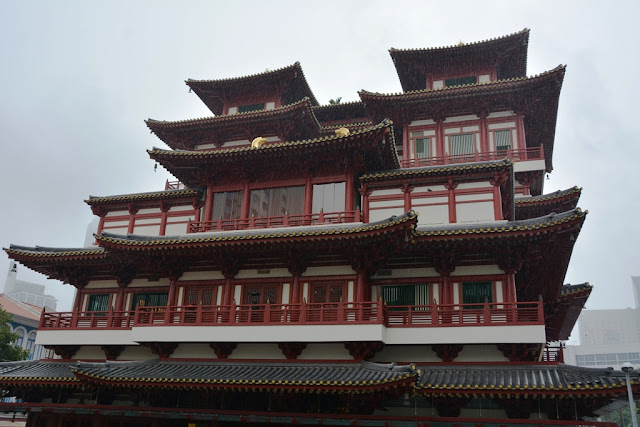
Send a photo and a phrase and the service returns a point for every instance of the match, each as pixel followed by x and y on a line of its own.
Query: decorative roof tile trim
pixel 262 234
pixel 512 226
pixel 546 197
pixel 295 65
pixel 42 252
pixel 155 195
pixel 364 375
pixel 386 123
pixel 568 290
pixel 433 170
pixel 432 49
pixel 346 125
pixel 36 371
pixel 335 106
pixel 228 117
pixel 462 88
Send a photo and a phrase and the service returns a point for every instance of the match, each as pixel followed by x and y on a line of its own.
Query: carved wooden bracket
pixel 292 350
pixel 447 352
pixel 163 350
pixel 519 352
pixel 518 408
pixel 363 350
pixel 112 352
pixel 223 349
pixel 64 351
pixel 448 406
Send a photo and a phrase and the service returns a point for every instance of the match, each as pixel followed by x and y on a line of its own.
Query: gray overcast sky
pixel 77 79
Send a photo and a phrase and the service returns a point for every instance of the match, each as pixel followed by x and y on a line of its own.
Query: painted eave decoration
pixel 138 197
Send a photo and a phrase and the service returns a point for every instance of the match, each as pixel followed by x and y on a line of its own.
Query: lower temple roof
pixel 437 378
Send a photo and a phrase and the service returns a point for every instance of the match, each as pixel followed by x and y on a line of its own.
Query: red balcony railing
pixel 275 221
pixel 341 313
pixel 553 354
pixel 87 320
pixel 174 185
pixel 530 153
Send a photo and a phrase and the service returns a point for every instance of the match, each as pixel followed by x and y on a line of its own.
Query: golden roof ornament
pixel 342 131
pixel 258 142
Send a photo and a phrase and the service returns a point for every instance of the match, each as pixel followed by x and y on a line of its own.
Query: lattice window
pixel 200 296
pixel 477 293
pixel 149 299
pixel 326 292
pixel 261 294
pixel 503 140
pixel 463 143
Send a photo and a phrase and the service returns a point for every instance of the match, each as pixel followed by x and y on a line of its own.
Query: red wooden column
pixel 451 186
pixel 132 218
pixel 308 196
pixel 365 193
pixel 360 285
pixel 348 192
pixel 484 133
pixel 510 286
pixel 522 142
pixel 208 204
pixel 497 196
pixel 440 148
pixel 164 208
pixel 227 293
pixel 101 223
pixel 296 267
pixel 120 296
pixel 246 201
pixel 80 285
pixel 445 267
pixel 407 189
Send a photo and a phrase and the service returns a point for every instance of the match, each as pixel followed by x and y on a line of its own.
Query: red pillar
pixel 246 201
pixel 522 142
pixel 451 186
pixel 497 202
pixel 360 285
pixel 228 291
pixel 308 196
pixel 77 300
pixel 163 219
pixel 440 149
pixel 406 189
pixel 172 292
pixel 365 203
pixel 348 192
pixel 484 134
pixel 101 223
pixel 295 290
pixel 132 219
pixel 446 293
pixel 208 204
pixel 120 297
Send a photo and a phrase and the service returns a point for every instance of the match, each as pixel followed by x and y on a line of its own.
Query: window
pixel 459 81
pixel 199 296
pixel 462 144
pixel 422 148
pixel 406 294
pixel 98 302
pixel 328 197
pixel 20 338
pixel 502 139
pixel 261 294
pixel 227 205
pixel 326 292
pixel 251 107
pixel 272 202
pixel 476 293
pixel 149 299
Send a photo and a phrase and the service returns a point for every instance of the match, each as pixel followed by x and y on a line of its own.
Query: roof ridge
pixel 475 43
pixel 247 76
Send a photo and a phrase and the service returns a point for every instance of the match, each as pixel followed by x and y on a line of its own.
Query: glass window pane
pixel 459 81
pixel 328 197
pixel 281 201
pixel 462 144
pixel 477 292
pixel 227 205
pixel 503 140
pixel 251 107
pixel 423 148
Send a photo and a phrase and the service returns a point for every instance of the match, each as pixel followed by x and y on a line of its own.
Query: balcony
pixel 275 221
pixel 525 154
pixel 174 185
pixel 329 322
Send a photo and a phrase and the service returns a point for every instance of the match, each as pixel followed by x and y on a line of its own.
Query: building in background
pixel 24 323
pixel 389 260
pixel 28 292
pixel 608 338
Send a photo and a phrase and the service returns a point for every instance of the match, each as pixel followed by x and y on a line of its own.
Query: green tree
pixel 8 350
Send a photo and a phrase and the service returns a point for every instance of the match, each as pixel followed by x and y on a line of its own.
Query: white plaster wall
pixel 321 351
pixel 484 78
pixel 456 293
pixel 387 192
pixel 429 187
pixel 498 296
pixel 406 354
pixel 149 211
pixel 136 353
pixel 351 291
pixel 481 353
pixel 466 335
pixel 529 165
pixel 475 212
pixel 505 125
pixel 219 295
pixel 427 215
pixel 476 270
pixel 144 283
pixel 285 293
pixel 475 196
pixel 328 271
pixel 85 337
pixel 422 123
pixel 468 185
pixel 175 229
pixel 228 144
pixel 471 129
pixel 438 84
pixel 99 284
pixel 380 214
pixel 147 230
pixel 194 351
pixel 202 275
pixel 186 208
pixel 270 105
pixel 305 291
pixel 257 351
pixel 435 292
pixel 450 131
pixel 210 146
pixel 237 294
pixel 252 274
pixel 146 221
pixel 117 213
pixel 497 114
pixel 461 118
pixel 89 353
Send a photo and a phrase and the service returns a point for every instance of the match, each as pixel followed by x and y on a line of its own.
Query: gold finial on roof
pixel 342 131
pixel 258 142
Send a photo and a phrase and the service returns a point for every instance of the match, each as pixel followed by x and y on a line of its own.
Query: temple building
pixel 390 261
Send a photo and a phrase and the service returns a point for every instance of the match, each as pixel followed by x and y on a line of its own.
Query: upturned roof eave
pixel 143 197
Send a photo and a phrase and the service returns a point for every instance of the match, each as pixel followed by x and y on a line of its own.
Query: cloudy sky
pixel 77 79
